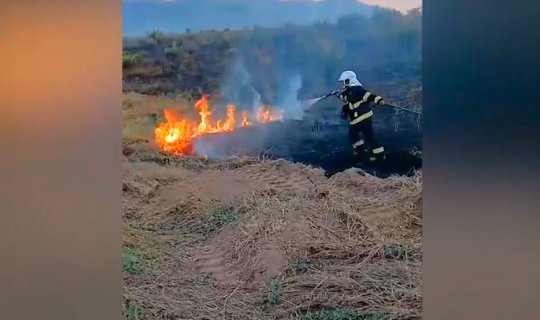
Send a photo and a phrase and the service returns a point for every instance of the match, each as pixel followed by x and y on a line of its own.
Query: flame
pixel 264 114
pixel 245 120
pixel 202 106
pixel 176 134
pixel 231 118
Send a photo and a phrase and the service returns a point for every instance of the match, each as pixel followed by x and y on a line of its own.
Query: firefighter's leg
pixel 376 150
pixel 357 140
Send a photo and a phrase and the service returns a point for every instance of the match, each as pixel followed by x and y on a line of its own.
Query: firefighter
pixel 357 108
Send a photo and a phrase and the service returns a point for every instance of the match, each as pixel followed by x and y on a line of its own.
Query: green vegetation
pixel 131 262
pixel 396 252
pixel 275 292
pixel 301 265
pixel 133 311
pixel 221 216
pixel 384 45
pixel 130 59
pixel 342 314
pixel 156 36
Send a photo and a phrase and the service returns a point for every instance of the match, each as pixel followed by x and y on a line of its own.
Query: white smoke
pixel 257 100
pixel 242 142
pixel 238 89
pixel 288 98
pixel 207 148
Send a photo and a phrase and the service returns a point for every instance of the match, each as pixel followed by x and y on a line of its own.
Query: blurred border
pixel 60 189
pixel 481 160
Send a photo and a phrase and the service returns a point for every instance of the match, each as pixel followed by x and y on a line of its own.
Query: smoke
pixel 248 87
pixel 238 88
pixel 288 98
pixel 207 148
pixel 250 141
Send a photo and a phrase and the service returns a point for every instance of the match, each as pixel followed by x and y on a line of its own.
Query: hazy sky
pixel 402 5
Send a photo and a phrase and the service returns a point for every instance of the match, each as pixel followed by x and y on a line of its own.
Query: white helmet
pixel 349 78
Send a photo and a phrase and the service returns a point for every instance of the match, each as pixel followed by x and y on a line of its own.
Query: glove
pixel 382 103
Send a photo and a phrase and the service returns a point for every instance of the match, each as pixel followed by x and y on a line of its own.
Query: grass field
pixel 262 239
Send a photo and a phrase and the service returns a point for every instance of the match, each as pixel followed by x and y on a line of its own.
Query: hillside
pixel 141 17
pixel 383 49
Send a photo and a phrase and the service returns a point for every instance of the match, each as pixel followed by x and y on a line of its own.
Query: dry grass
pixel 141 112
pixel 358 238
pixel 289 243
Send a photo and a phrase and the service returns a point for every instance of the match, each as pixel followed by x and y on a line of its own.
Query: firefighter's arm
pixel 345 105
pixel 341 95
pixel 368 96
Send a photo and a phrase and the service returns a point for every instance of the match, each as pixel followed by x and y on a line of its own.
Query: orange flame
pixel 245 120
pixel 266 115
pixel 231 120
pixel 176 134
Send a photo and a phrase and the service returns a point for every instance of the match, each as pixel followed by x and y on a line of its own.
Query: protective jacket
pixel 357 103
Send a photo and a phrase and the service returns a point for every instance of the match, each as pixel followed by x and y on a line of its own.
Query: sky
pixel 140 19
pixel 401 5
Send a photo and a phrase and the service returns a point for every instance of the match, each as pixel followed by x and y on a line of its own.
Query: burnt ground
pixel 324 143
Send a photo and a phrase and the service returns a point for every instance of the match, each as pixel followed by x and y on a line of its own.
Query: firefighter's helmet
pixel 349 78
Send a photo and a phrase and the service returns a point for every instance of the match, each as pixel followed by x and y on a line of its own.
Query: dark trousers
pixel 364 143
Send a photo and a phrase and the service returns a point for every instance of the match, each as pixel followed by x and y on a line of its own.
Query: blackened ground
pixel 323 144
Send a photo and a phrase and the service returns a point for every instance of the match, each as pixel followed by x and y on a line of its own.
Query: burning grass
pixel 170 124
pixel 176 134
pixel 251 239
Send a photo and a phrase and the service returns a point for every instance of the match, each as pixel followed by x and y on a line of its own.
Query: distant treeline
pixel 383 47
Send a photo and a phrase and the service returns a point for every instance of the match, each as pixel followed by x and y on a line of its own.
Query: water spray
pixel 310 102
